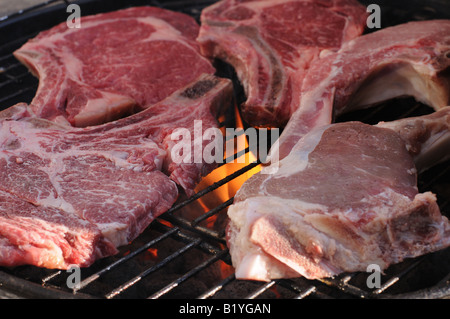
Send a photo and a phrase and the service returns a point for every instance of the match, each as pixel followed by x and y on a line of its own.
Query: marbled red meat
pixel 344 198
pixel 117 63
pixel 271 45
pixel 72 195
pixel 411 59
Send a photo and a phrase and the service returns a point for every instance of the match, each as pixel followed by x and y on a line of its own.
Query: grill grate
pixel 179 256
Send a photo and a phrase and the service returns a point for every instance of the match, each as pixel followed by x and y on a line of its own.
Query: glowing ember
pixel 152 253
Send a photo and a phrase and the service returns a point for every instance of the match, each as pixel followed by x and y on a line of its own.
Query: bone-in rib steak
pixel 115 64
pixel 344 198
pixel 410 59
pixel 72 195
pixel 271 44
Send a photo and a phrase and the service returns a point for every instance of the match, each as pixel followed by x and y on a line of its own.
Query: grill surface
pixel 182 254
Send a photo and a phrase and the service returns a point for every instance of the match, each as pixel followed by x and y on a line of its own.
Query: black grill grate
pixel 184 256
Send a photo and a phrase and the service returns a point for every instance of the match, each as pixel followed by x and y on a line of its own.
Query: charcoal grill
pixel 187 257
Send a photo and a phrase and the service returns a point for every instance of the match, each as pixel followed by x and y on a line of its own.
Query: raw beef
pixel 72 195
pixel 345 197
pixel 117 63
pixel 411 59
pixel 271 45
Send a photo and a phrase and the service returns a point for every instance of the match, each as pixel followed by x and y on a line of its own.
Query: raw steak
pixel 115 64
pixel 271 45
pixel 411 59
pixel 72 195
pixel 345 197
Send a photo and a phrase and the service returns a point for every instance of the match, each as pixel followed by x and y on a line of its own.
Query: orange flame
pixel 228 190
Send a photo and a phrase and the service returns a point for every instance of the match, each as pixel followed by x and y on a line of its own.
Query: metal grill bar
pixel 213 187
pixel 188 275
pixel 396 278
pixel 302 293
pixel 16 94
pixel 145 273
pixel 211 292
pixel 212 212
pixel 261 290
pixel 344 286
pixel 124 259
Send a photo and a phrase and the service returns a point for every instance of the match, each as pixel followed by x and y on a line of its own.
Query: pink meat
pixel 271 44
pixel 345 198
pixel 117 63
pixel 72 195
pixel 411 59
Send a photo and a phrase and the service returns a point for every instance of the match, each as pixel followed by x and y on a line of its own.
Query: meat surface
pixel 72 195
pixel 411 59
pixel 344 198
pixel 117 63
pixel 271 44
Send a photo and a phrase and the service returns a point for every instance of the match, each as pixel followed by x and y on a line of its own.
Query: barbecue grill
pixel 183 253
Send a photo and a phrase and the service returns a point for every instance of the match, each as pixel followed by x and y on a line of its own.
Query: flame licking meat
pixel 229 189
